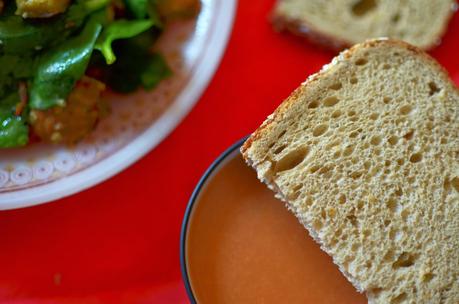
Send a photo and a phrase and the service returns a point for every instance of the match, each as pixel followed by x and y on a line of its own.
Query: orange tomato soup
pixel 244 246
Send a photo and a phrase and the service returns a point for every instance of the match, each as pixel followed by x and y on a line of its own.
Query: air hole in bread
pixel 338 232
pixel 400 120
pixel 354 134
pixel 398 192
pixel 324 170
pixel 291 159
pixel 374 116
pixel 404 260
pixel 387 100
pixel 330 101
pixel 433 88
pixel 416 157
pixel 280 149
pixel 331 212
pixel 348 150
pixel 405 110
pixel 281 134
pixel 336 114
pixel 361 61
pixel 386 66
pixel 295 193
pixel 320 130
pixel 323 214
pixel 317 225
pixel 356 174
pixel 313 105
pixel 393 140
pixel 351 113
pixel 399 299
pixel 352 220
pixel 409 135
pixel 368 264
pixel 375 140
pixel 336 86
pixel 314 168
pixel 362 7
pixel 427 277
pixel 392 205
pixel 395 18
pixel 375 291
pixel 353 80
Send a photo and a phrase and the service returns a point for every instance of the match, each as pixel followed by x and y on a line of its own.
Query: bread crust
pixel 326 69
pixel 306 30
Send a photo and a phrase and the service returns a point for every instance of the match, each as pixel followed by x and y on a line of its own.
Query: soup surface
pixel 244 246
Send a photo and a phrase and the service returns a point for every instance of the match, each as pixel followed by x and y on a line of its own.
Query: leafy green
pixel 81 9
pixel 21 36
pixel 156 69
pixel 120 29
pixel 124 76
pixel 138 8
pixel 59 69
pixel 141 9
pixel 13 68
pixel 18 36
pixel 14 131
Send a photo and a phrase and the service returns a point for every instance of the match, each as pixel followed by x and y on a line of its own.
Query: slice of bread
pixel 366 155
pixel 341 23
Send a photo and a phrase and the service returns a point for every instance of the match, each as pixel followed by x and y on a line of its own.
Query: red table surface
pixel 119 241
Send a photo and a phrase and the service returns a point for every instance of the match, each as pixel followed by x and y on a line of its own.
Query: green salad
pixel 58 56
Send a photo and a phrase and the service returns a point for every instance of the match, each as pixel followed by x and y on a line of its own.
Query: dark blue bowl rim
pixel 189 209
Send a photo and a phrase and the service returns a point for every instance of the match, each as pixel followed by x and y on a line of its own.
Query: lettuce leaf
pixel 120 29
pixel 14 131
pixel 59 69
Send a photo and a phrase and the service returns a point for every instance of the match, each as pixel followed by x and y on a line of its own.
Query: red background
pixel 119 241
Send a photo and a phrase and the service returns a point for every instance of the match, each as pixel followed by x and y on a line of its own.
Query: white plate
pixel 42 173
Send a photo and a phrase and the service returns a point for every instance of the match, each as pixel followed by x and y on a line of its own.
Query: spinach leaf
pixel 13 68
pixel 19 36
pixel 14 131
pixel 120 29
pixel 81 9
pixel 58 69
pixel 138 8
pixel 156 69
pixel 141 9
pixel 146 70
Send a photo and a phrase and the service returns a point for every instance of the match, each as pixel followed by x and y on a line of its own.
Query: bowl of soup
pixel 239 244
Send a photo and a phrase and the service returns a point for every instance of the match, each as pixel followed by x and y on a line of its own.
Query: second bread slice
pixel 340 23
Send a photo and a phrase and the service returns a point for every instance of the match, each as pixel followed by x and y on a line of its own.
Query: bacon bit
pixel 23 98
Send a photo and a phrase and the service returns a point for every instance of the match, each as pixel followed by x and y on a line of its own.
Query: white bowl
pixel 42 173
